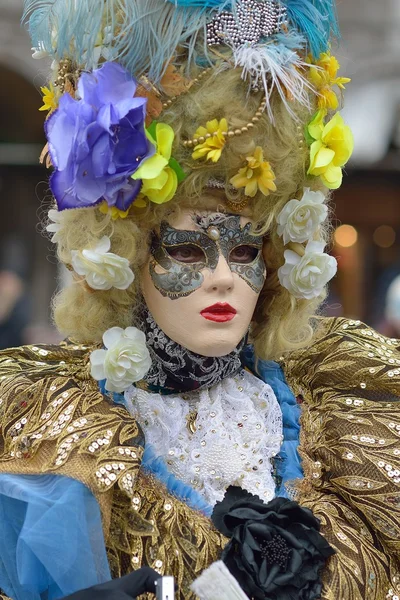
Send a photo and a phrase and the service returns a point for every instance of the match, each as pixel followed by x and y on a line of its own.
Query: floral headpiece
pixel 118 65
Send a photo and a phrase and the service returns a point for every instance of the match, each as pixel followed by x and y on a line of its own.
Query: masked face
pixel 203 280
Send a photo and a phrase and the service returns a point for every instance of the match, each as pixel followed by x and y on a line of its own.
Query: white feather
pixel 277 67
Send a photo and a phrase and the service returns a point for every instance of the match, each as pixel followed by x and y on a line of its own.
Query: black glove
pixel 124 588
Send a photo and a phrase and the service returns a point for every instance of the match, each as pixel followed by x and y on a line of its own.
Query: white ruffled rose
pixel 300 219
pixel 306 276
pixel 125 360
pixel 102 269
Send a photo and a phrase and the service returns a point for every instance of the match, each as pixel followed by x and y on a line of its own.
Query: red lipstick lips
pixel 220 312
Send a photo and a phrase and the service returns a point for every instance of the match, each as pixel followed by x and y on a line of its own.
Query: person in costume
pixel 198 409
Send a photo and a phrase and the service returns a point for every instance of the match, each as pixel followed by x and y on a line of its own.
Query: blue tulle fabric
pixel 51 537
pixel 288 462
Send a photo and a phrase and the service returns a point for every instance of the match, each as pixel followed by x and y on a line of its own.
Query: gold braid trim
pixel 350 446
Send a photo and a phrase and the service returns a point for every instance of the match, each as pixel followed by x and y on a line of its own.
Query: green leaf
pixel 309 138
pixel 175 166
pixel 151 129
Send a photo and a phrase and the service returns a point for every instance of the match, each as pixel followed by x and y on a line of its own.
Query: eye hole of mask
pixel 243 254
pixel 187 253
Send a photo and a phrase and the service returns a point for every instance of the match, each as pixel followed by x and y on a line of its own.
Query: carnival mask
pixel 203 279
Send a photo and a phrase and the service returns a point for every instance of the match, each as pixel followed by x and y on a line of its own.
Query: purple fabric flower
pixel 98 141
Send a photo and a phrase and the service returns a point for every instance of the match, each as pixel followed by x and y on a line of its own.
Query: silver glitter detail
pixel 219 184
pixel 253 21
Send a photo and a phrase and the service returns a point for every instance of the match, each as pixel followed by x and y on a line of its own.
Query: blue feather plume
pixel 218 4
pixel 316 20
pixel 148 34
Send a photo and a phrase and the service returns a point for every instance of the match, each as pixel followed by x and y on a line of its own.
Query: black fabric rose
pixel 276 551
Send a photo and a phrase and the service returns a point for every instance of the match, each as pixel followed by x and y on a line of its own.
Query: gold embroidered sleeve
pixel 53 419
pixel 350 446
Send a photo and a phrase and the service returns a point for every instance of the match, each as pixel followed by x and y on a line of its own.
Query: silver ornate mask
pixel 184 254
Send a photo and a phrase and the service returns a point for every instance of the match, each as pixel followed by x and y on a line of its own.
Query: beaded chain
pixel 199 77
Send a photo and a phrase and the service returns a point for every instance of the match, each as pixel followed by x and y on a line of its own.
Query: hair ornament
pixel 102 269
pixel 253 21
pixel 307 269
pixel 54 225
pixel 210 140
pixel 161 173
pixel 256 175
pixel 300 220
pixel 265 38
pixel 331 146
pixel 323 74
pixel 275 45
pixel 50 102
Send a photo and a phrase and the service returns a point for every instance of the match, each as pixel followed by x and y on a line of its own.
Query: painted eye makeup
pixel 243 254
pixel 186 253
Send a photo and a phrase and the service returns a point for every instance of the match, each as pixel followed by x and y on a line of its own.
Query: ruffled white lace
pixel 238 429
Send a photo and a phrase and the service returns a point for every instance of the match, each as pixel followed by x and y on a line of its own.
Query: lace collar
pixel 216 437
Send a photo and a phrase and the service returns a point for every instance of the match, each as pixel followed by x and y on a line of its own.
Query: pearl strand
pixel 201 75
pixel 232 132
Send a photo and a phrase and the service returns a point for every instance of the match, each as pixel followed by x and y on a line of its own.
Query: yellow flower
pixel 49 98
pixel 256 175
pixel 323 75
pixel 331 149
pixel 160 181
pixel 211 148
pixel 115 212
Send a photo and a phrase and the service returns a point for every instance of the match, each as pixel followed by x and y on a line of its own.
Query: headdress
pixel 121 72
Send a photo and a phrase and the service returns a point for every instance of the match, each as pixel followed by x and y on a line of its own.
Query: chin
pixel 213 347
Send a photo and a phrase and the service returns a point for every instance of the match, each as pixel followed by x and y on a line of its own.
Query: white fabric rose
pixel 125 360
pixel 102 269
pixel 306 276
pixel 300 219
pixel 54 226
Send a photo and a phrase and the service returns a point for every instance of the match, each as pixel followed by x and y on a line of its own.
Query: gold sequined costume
pixel 55 420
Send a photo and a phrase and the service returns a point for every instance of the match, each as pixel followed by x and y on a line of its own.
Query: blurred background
pixel 366 208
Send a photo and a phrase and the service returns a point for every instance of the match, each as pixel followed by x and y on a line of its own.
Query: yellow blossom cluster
pixel 331 147
pixel 160 181
pixel 323 75
pixel 50 101
pixel 214 134
pixel 256 175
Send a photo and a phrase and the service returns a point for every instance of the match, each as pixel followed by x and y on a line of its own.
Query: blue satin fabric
pixel 51 537
pixel 288 462
pixel 156 466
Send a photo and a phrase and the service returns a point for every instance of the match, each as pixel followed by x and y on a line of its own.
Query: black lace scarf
pixel 176 369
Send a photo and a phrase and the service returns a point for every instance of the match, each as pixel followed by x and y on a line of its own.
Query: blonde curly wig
pixel 281 322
